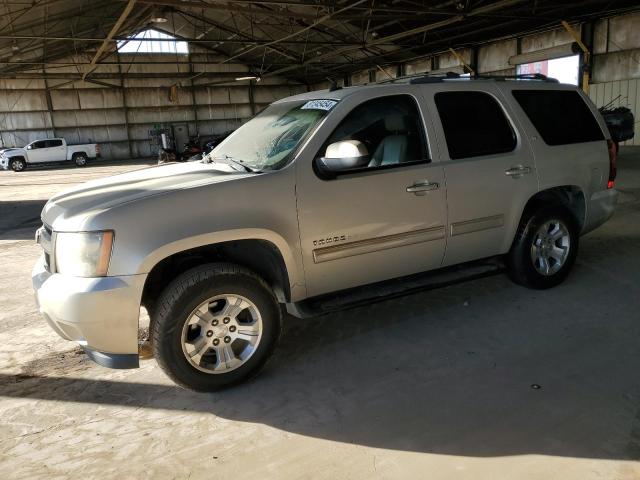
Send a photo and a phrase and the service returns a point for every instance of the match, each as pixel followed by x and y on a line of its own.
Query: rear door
pixel 56 150
pixel 488 165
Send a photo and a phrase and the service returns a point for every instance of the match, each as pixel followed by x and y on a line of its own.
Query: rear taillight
pixel 613 155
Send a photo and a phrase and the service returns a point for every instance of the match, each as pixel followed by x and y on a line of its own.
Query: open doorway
pixel 565 69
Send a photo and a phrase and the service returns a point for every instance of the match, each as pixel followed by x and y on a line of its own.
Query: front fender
pixel 18 152
pixel 296 280
pixel 153 228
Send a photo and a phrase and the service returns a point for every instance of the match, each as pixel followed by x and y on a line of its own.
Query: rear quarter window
pixel 561 117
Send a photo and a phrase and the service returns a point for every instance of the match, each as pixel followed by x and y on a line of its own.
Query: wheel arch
pixel 570 196
pixel 261 256
pixel 20 158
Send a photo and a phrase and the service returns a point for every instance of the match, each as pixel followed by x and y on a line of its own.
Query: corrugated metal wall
pixel 616 65
pixel 85 112
pixel 120 118
pixel 627 93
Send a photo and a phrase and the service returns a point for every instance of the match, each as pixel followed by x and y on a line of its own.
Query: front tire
pixel 215 326
pixel 18 165
pixel 80 160
pixel 544 249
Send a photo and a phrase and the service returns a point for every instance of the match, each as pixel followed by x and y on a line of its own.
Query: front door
pixel 489 169
pixel 382 220
pixel 37 152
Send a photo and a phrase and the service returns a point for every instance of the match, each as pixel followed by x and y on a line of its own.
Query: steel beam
pixel 116 27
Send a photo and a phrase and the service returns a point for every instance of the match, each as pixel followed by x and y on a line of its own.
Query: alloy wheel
pixel 222 333
pixel 550 247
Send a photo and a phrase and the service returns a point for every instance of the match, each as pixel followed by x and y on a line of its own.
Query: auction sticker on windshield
pixel 319 105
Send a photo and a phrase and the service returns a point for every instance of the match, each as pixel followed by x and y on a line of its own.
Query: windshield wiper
pixel 233 161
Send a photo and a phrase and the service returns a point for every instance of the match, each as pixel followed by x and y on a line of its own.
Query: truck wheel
pixel 544 249
pixel 18 165
pixel 215 326
pixel 81 160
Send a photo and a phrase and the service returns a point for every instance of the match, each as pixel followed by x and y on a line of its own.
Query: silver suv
pixel 320 193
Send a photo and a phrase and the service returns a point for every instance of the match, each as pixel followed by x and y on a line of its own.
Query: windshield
pixel 269 141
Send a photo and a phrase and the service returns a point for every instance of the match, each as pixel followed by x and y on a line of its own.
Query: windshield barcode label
pixel 319 105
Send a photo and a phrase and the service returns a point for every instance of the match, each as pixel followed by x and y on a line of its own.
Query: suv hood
pixel 89 198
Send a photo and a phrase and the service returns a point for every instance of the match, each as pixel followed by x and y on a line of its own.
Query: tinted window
pixel 40 144
pixel 54 143
pixel 390 127
pixel 560 116
pixel 474 124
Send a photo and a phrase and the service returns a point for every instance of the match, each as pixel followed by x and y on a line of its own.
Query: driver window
pixel 390 128
pixel 40 144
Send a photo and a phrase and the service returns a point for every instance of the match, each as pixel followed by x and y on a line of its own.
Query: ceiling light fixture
pixel 159 16
pixel 248 77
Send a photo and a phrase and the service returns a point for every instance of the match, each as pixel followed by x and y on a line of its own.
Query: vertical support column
pixel 518 51
pixel 47 94
pixel 194 106
pixel 124 106
pixel 585 57
pixel 435 63
pixel 474 61
pixel 586 35
pixel 252 101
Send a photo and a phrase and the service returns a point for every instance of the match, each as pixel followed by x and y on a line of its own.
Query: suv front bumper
pixel 100 314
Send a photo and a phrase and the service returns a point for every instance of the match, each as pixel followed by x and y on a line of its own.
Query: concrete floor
pixel 433 385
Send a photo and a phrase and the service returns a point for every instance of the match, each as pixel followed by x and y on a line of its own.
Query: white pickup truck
pixel 51 150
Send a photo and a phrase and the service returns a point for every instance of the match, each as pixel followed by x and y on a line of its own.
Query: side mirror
pixel 342 156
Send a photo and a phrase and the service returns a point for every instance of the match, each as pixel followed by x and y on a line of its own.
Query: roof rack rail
pixel 441 77
pixel 436 78
pixel 421 78
pixel 523 76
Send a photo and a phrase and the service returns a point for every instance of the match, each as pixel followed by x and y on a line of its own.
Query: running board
pixel 397 287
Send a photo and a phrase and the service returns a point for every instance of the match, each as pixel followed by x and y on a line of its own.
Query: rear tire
pixel 18 165
pixel 545 248
pixel 215 326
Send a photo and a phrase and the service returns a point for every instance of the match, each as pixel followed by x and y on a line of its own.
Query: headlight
pixel 83 254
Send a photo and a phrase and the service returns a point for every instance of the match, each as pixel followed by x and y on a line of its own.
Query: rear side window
pixel 474 124
pixel 54 143
pixel 561 117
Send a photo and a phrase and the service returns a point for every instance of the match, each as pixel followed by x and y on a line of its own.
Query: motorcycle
pixel 190 150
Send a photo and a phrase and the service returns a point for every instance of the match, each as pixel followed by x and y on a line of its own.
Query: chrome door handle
pixel 517 171
pixel 422 188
